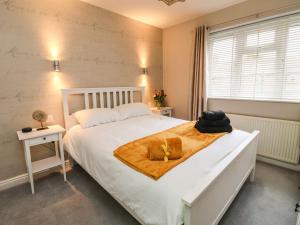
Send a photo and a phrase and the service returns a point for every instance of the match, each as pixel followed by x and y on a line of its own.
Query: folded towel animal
pixel 167 149
pixel 213 115
pixel 217 123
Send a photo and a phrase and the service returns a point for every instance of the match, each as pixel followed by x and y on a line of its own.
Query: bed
pixel 196 192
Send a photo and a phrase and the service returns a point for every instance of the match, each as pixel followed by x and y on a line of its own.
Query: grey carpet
pixel 81 201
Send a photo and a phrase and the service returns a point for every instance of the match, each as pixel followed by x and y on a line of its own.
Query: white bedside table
pixel 165 111
pixel 53 134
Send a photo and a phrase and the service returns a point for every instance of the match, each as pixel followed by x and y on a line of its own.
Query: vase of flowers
pixel 159 98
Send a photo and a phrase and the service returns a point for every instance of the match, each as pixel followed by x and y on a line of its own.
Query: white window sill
pixel 255 100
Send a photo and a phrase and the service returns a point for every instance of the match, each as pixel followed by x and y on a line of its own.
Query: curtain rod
pixel 256 16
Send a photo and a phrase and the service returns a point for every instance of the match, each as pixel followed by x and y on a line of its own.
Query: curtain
pixel 198 86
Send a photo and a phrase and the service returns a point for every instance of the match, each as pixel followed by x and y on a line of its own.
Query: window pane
pixel 292 64
pixel 266 62
pixel 248 76
pixel 252 40
pixel 260 38
pixel 221 71
pixel 266 37
pixel 257 61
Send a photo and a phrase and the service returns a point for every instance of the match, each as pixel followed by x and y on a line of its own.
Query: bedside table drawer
pixel 165 111
pixel 44 139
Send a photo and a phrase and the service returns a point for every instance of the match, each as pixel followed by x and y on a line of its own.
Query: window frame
pixel 238 67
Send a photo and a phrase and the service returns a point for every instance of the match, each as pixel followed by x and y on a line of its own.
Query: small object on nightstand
pixel 52 134
pixel 26 129
pixel 164 111
pixel 159 98
pixel 41 117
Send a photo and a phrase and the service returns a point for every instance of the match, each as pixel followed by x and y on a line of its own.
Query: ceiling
pixel 158 14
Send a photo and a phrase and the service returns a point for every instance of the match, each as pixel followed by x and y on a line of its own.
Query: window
pixel 259 61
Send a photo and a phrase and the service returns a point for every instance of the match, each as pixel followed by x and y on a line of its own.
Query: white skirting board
pixel 23 178
pixel 14 181
pixel 295 167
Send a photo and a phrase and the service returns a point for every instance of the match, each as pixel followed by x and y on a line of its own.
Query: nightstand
pixel 53 134
pixel 165 111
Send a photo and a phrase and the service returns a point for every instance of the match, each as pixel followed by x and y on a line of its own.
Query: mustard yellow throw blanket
pixel 134 154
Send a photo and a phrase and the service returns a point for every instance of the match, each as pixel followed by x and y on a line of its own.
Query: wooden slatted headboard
pixel 108 97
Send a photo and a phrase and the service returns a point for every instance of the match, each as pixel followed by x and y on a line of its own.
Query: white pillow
pixel 93 117
pixel 132 110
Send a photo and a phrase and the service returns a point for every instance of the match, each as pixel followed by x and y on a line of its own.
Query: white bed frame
pixel 207 202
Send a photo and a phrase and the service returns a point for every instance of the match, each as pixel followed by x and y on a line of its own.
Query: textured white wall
pixel 97 48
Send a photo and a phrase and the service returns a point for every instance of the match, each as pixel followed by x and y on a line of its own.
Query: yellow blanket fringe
pixel 134 154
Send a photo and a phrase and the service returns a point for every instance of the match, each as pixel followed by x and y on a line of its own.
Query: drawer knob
pixel 44 138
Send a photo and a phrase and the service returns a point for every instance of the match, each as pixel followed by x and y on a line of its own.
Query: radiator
pixel 278 139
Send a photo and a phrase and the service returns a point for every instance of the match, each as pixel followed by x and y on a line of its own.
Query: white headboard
pixel 107 97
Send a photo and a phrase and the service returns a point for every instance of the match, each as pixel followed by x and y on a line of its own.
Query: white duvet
pixel 153 202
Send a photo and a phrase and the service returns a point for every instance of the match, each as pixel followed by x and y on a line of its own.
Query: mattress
pixel 153 202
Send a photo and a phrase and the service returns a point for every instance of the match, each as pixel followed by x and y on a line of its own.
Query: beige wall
pixel 97 48
pixel 177 51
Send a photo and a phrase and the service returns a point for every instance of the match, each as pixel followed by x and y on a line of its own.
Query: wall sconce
pixel 56 65
pixel 145 71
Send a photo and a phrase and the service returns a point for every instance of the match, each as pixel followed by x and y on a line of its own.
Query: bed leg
pixel 252 174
